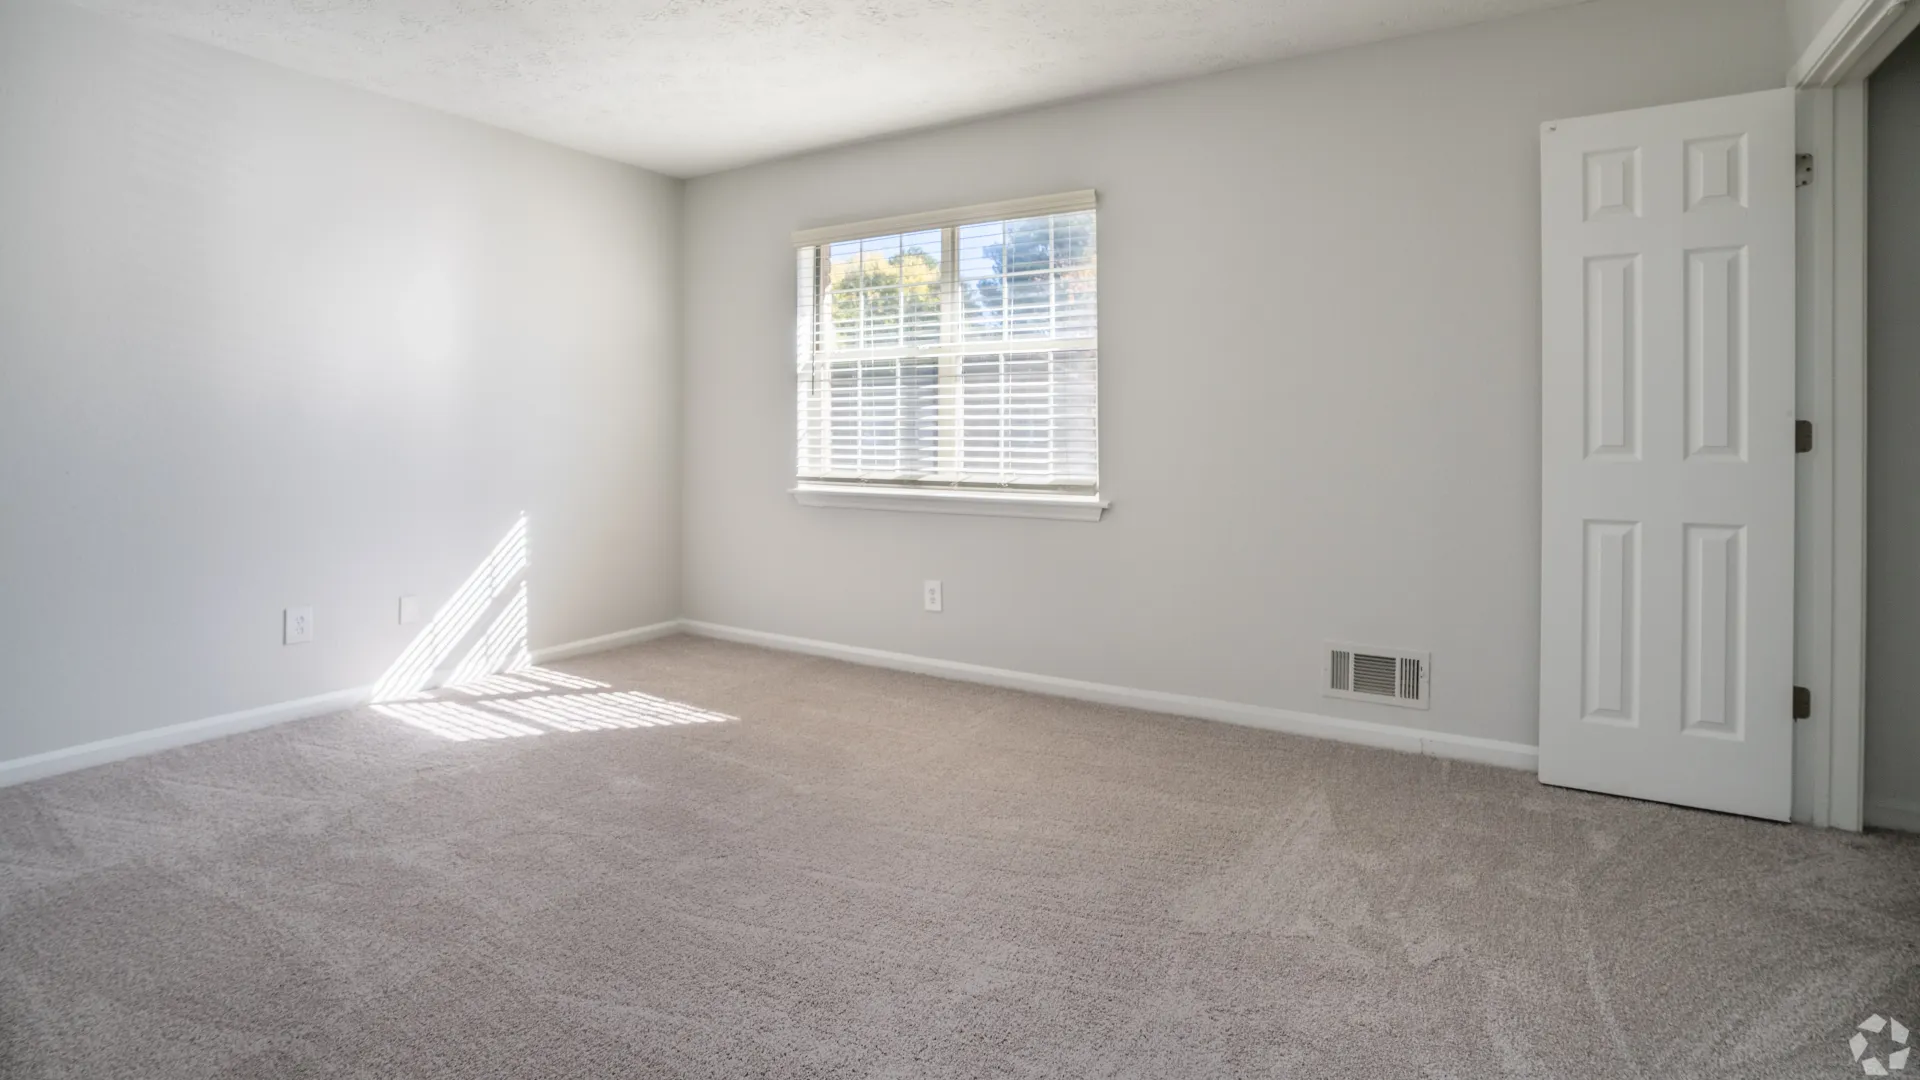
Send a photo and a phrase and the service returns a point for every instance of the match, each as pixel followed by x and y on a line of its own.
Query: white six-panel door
pixel 1667 443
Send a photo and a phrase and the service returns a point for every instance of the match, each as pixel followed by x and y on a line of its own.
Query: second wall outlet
pixel 409 610
pixel 930 594
pixel 297 625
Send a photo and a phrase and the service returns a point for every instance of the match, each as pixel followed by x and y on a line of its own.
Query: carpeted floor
pixel 810 869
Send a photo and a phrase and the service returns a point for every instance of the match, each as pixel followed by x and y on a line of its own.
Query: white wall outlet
pixel 298 625
pixel 930 595
pixel 409 610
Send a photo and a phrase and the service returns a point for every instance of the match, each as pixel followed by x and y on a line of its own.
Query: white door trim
pixel 1852 43
pixel 1831 632
pixel 1814 562
pixel 1846 290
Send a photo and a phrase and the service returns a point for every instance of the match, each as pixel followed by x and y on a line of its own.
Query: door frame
pixel 1830 589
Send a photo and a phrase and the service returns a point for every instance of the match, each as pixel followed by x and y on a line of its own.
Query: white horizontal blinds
pixel 960 356
pixel 1026 395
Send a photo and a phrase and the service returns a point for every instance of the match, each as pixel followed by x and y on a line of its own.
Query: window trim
pixel 1065 202
pixel 936 500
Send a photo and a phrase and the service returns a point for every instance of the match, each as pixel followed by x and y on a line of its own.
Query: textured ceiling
pixel 692 86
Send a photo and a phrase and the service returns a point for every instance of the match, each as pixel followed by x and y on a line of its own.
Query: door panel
pixel 1666 648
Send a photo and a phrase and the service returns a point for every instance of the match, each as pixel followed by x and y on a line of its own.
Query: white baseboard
pixel 1386 736
pixel 1898 814
pixel 1365 733
pixel 606 641
pixel 120 747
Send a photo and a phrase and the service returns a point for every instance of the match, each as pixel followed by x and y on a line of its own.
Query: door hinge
pixel 1803 436
pixel 1803 170
pixel 1802 703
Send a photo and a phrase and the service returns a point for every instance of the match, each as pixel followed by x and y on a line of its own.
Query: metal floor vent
pixel 1383 676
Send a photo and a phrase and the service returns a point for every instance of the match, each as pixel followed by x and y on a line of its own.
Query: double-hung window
pixel 949 360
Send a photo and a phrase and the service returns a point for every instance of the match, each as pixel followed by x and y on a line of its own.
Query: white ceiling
pixel 693 86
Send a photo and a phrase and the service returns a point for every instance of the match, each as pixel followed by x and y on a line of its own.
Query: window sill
pixel 947 501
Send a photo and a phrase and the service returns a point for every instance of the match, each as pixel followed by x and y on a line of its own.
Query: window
pixel 952 354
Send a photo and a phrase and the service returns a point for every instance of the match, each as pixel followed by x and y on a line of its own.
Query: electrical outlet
pixel 930 595
pixel 298 625
pixel 409 610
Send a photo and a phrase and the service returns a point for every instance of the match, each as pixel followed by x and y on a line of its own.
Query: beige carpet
pixel 865 874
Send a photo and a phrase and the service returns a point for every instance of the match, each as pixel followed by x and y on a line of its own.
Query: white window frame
pixel 1067 506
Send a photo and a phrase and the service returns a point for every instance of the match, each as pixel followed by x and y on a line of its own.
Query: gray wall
pixel 1893 438
pixel 265 341
pixel 1805 20
pixel 1320 385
